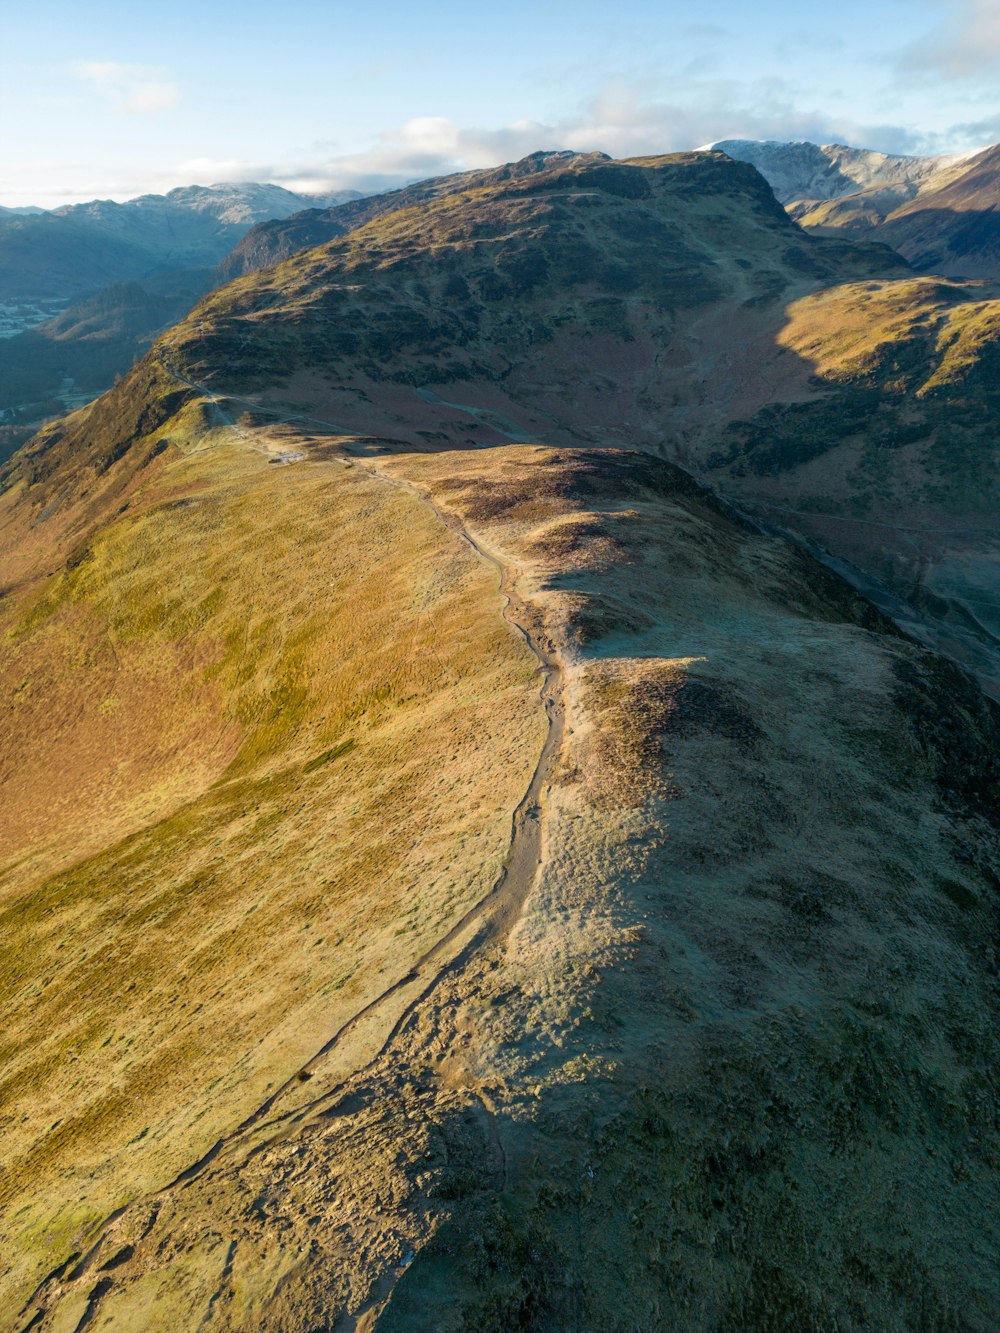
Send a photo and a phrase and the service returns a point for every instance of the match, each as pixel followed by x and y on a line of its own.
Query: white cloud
pixel 212 170
pixel 130 88
pixel 431 134
pixel 966 44
pixel 615 122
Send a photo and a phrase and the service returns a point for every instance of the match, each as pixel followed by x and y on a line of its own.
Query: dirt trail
pixel 490 921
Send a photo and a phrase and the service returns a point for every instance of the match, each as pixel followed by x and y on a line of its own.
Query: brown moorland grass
pixel 266 740
pixel 738 1046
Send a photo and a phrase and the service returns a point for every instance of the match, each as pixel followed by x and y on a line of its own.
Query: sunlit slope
pixel 265 731
pixel 930 332
pixel 733 1065
pixel 272 241
pixel 893 459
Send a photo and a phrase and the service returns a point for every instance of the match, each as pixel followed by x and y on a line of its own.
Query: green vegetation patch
pixel 328 756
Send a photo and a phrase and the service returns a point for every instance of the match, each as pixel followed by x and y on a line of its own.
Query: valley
pixel 19 316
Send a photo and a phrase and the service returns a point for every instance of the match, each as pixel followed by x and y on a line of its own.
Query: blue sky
pixel 108 99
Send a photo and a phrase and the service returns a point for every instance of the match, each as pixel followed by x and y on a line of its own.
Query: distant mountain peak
pixel 800 169
pixel 941 213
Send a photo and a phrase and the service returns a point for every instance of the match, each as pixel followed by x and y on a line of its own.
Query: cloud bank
pixel 623 120
pixel 615 122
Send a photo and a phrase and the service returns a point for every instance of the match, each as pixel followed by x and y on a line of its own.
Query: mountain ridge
pixel 800 170
pixel 73 249
pixel 270 242
pixel 730 1041
pixel 938 213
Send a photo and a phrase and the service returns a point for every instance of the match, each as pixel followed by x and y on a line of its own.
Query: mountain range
pixel 808 171
pixel 502 783
pixel 936 212
pixel 941 214
pixel 72 250
pixel 85 288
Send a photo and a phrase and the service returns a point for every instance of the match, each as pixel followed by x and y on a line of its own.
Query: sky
pixel 108 99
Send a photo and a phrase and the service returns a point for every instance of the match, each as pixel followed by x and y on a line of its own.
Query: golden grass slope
pixel 733 1067
pixel 847 332
pixel 262 746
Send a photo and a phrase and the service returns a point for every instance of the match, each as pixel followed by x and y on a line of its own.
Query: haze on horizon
pixel 109 101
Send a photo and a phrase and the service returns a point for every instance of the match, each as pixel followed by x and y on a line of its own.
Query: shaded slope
pixel 954 229
pixel 892 461
pixel 939 213
pixel 43 255
pixel 77 354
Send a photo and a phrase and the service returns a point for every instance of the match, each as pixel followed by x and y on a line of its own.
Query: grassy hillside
pixel 668 304
pixel 266 730
pixel 463 876
pixel 731 1065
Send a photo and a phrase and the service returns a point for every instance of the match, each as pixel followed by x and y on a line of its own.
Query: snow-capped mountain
pixel 829 171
